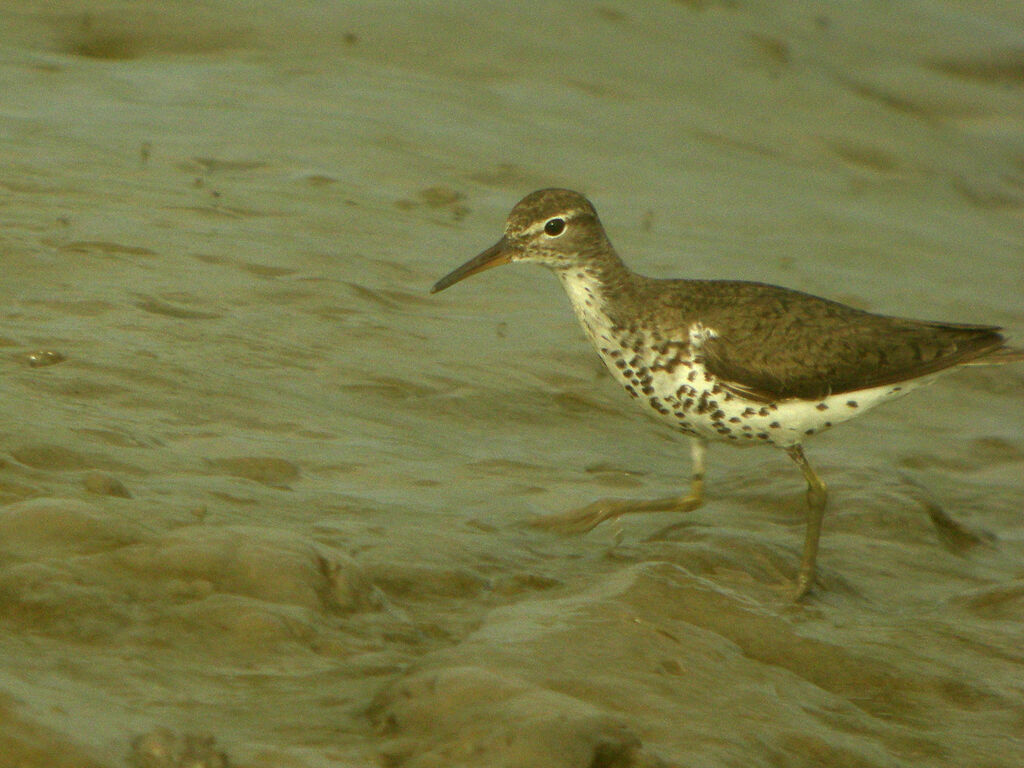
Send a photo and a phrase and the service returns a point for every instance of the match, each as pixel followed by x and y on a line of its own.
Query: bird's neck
pixel 600 289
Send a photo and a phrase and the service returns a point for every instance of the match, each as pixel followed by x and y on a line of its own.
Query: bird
pixel 740 362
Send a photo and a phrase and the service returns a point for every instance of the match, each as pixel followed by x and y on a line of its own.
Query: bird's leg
pixel 586 518
pixel 816 497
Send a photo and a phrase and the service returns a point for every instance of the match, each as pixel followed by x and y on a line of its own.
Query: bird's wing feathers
pixel 770 343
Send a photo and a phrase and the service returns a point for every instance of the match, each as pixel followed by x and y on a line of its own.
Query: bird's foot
pixel 584 519
pixel 581 520
pixel 803 586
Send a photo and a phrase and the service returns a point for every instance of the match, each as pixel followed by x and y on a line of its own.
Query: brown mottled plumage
pixel 793 344
pixel 747 363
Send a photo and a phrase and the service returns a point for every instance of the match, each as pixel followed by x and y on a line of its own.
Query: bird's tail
pixel 999 356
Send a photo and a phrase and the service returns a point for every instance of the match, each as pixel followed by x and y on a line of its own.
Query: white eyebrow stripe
pixel 538 226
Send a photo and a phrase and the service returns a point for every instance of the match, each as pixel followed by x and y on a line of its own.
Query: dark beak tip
pixel 497 254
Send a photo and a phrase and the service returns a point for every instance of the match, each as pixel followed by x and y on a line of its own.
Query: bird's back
pixel 774 343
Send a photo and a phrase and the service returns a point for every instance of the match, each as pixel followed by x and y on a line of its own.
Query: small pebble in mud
pixel 105 485
pixel 162 748
pixel 43 357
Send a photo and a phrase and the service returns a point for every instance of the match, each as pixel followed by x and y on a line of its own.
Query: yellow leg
pixel 816 498
pixel 589 517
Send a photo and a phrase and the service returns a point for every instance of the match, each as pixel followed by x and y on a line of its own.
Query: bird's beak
pixel 499 253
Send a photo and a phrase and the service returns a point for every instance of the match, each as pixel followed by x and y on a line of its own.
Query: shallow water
pixel 262 494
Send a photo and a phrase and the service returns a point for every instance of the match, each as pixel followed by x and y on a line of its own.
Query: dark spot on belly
pixel 705 405
pixel 647 389
pixel 851 403
pixel 620 364
pixel 718 415
pixel 821 407
pixel 656 405
pixel 735 420
pixel 809 431
pixel 775 425
pixel 692 375
pixel 631 391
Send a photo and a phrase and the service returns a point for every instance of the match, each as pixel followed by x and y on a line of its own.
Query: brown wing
pixel 773 343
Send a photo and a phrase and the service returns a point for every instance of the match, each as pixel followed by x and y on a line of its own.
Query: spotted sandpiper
pixel 742 362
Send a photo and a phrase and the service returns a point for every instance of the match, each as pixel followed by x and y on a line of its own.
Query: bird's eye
pixel 554 227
